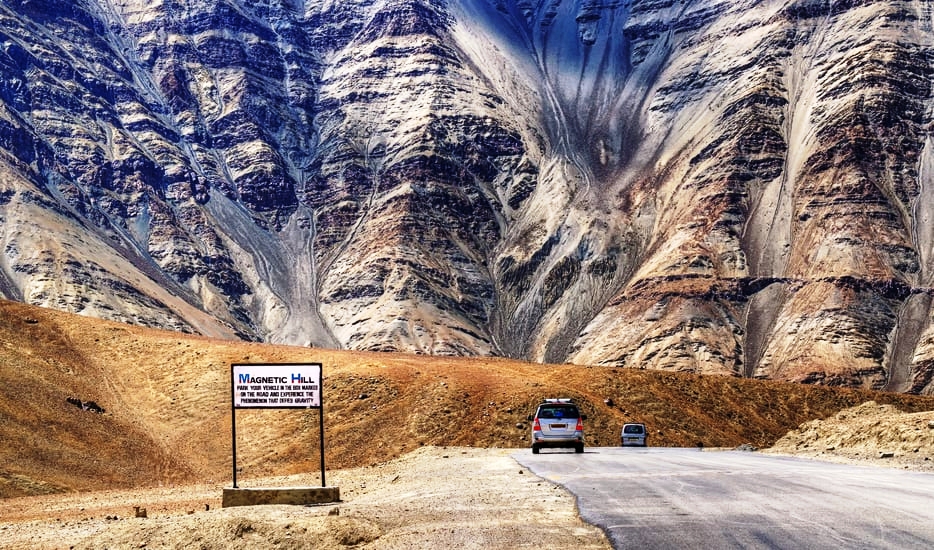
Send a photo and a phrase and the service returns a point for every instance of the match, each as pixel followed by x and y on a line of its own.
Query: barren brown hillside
pixel 166 398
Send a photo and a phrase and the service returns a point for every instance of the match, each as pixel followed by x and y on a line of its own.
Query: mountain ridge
pixel 731 188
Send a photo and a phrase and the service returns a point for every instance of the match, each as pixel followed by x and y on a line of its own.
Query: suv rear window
pixel 558 411
pixel 633 429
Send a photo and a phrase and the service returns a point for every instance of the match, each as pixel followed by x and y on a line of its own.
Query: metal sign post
pixel 275 386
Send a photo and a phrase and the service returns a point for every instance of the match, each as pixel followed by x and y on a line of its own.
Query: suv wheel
pixel 579 448
pixel 534 449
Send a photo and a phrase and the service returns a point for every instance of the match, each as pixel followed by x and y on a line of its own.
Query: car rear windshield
pixel 558 411
pixel 633 429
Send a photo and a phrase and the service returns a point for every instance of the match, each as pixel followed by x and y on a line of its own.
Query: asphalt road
pixel 687 498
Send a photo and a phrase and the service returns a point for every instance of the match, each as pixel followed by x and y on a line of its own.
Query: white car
pixel 633 435
pixel 557 423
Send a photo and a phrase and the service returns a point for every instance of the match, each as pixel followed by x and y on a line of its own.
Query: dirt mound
pixel 871 433
pixel 255 528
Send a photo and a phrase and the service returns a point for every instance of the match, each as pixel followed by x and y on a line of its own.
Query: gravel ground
pixel 432 498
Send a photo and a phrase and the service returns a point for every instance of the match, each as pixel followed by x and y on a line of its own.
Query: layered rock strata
pixel 738 188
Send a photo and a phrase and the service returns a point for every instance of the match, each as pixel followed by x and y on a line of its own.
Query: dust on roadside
pixel 456 497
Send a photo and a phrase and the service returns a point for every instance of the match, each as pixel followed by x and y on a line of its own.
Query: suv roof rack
pixel 557 400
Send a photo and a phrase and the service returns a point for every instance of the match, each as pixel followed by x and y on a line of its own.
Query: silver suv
pixel 557 423
pixel 634 435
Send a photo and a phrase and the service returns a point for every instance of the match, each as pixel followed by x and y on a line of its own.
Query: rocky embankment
pixel 870 433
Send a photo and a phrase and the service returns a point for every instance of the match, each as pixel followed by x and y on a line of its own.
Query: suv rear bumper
pixel 542 441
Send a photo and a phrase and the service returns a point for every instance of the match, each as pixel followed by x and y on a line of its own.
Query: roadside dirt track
pixel 435 497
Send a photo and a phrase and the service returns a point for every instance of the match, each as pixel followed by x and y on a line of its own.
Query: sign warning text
pixel 277 386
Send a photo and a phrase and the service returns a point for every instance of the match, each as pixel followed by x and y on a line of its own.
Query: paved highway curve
pixel 687 498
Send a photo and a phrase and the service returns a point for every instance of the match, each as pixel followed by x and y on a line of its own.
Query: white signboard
pixel 276 386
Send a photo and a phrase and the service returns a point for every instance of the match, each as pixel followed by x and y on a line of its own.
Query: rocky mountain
pixel 740 188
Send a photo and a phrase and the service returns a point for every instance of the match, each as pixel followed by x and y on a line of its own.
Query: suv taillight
pixel 537 426
pixel 580 425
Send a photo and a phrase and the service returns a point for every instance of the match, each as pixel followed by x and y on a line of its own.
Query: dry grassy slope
pixel 167 405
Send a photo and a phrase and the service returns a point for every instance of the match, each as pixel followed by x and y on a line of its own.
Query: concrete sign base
pixel 280 495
